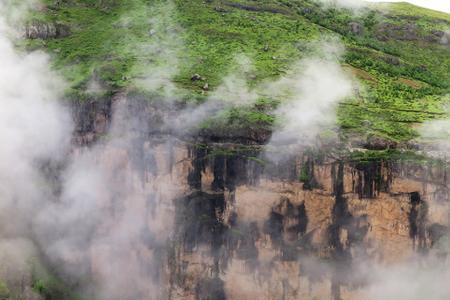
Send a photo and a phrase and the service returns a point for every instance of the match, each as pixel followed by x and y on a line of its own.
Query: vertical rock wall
pixel 243 229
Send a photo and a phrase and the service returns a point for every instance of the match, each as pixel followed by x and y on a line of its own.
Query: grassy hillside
pixel 397 52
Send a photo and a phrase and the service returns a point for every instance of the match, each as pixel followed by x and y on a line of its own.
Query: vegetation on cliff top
pixel 398 52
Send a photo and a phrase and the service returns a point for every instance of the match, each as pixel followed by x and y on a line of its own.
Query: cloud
pixel 34 130
pixel 99 215
pixel 434 137
pixel 234 89
pixel 420 278
pixel 113 218
pixel 163 48
pixel 309 94
pixel 104 213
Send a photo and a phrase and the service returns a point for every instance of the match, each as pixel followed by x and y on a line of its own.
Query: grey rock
pixel 392 60
pixel 379 143
pixel 439 37
pixel 404 32
pixel 356 28
pixel 44 31
pixel 220 9
pixel 196 77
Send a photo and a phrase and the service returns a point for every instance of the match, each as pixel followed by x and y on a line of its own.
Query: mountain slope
pixel 245 226
pixel 399 52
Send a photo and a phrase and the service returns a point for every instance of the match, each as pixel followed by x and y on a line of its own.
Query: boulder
pixel 356 28
pixel 392 60
pixel 439 36
pixel 196 77
pixel 44 30
pixel 307 11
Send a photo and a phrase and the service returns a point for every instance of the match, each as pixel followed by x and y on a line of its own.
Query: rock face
pixel 296 229
pixel 404 32
pixel 276 239
pixel 44 30
pixel 408 32
pixel 439 36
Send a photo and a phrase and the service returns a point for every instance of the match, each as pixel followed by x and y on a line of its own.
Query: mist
pixel 235 89
pixel 420 279
pixel 101 216
pixel 164 46
pixel 434 137
pixel 308 93
pixel 312 91
pixel 34 130
pixel 114 214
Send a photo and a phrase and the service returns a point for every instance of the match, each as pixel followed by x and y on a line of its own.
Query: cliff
pixel 306 227
pixel 241 149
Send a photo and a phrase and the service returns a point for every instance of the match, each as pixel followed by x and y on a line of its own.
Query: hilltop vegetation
pixel 400 54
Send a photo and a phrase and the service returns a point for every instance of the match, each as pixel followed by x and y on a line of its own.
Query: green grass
pixel 214 37
pixel 120 43
pixel 109 43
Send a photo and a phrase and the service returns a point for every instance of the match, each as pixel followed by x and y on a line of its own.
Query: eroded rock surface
pixel 46 30
pixel 243 229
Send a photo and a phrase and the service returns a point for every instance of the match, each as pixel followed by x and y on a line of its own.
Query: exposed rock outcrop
pixel 404 32
pixel 297 229
pixel 439 36
pixel 46 30
pixel 356 28
pixel 410 32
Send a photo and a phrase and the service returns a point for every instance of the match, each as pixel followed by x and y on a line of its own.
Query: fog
pixel 84 210
pixel 102 215
pixel 311 92
pixel 34 129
